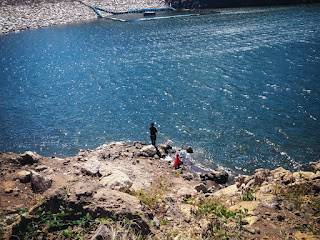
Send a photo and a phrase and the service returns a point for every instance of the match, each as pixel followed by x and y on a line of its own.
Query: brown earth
pixel 135 183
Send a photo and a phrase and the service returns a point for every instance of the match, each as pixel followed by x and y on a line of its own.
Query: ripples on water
pixel 241 86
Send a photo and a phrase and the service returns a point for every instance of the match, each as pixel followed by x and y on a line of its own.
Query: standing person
pixel 153 132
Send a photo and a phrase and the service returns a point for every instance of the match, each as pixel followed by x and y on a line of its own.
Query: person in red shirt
pixel 177 161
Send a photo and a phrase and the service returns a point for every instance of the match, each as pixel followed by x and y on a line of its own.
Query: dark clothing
pixel 153 130
pixel 153 137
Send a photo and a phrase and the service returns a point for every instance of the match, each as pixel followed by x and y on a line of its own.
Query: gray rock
pixel 187 176
pixel 103 232
pixel 148 151
pixel 219 176
pixel 24 176
pixel 116 181
pixel 29 158
pixel 39 183
pixel 201 188
pixel 92 166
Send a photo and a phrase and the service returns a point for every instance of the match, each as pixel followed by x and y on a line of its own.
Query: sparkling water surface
pixel 242 86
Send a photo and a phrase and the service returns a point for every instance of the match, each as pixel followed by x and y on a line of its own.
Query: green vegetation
pixel 153 198
pixel 303 199
pixel 67 223
pixel 41 223
pixel 222 223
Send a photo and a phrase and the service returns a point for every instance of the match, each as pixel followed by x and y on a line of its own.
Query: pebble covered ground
pixel 16 15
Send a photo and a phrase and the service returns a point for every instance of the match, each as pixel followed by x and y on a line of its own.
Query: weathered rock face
pixel 39 183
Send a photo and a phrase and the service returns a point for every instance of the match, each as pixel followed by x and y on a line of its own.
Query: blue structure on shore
pixel 97 9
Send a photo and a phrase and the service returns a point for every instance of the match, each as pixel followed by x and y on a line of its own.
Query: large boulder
pixel 116 181
pixel 219 176
pixel 148 151
pixel 39 183
pixel 92 166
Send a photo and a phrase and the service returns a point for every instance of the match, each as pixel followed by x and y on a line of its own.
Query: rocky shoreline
pixel 130 191
pixel 17 15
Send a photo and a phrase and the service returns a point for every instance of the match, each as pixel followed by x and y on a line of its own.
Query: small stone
pixel 41 168
pixel 280 217
pixel 103 232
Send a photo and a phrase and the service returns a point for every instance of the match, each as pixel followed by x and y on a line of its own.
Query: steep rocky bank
pixel 16 15
pixel 123 191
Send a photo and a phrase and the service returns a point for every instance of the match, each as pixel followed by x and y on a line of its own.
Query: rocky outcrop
pixel 117 182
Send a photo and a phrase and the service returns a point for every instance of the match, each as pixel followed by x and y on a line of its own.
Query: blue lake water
pixel 242 87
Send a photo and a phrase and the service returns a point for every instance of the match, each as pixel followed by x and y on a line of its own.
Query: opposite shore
pixel 132 191
pixel 17 15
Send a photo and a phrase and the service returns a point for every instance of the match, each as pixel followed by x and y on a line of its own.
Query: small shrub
pixel 153 198
pixel 250 195
pixel 223 223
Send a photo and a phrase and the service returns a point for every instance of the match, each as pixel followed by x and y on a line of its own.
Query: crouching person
pixel 177 161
